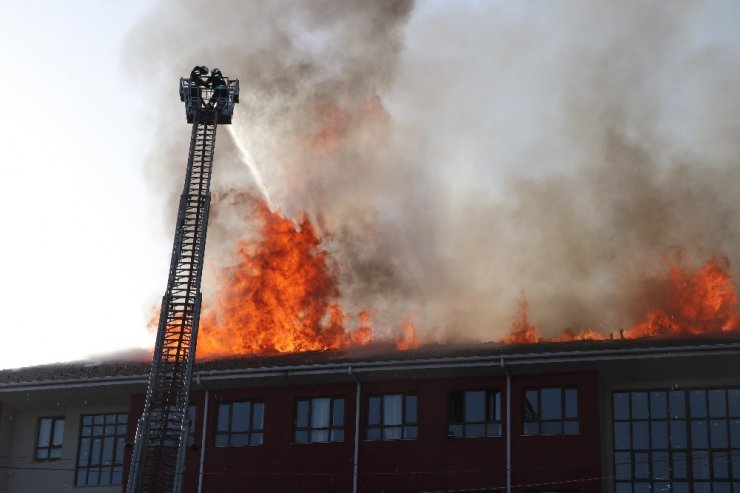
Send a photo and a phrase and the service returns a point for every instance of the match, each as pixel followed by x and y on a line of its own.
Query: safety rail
pixel 207 99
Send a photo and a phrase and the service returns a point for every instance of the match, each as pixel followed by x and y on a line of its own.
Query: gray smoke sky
pixel 488 149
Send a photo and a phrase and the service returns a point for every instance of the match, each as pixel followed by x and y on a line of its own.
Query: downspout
pixel 508 428
pixel 201 466
pixel 356 457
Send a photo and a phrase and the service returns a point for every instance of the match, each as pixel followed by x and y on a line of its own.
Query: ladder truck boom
pixel 157 462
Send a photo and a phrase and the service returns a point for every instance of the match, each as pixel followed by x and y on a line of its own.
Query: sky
pixel 556 149
pixel 81 253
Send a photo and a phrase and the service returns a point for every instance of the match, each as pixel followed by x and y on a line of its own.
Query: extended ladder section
pixel 157 464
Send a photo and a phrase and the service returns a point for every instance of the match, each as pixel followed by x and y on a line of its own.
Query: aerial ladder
pixel 157 462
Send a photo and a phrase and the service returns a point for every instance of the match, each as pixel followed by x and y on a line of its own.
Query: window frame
pixel 192 420
pixel 50 446
pixel 120 426
pixel 409 429
pixel 335 431
pixel 490 413
pixel 689 453
pixel 533 423
pixel 252 433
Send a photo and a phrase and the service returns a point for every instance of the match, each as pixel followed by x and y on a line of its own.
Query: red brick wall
pixel 558 460
pixel 433 462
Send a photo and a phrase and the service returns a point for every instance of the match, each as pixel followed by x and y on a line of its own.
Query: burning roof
pixel 381 356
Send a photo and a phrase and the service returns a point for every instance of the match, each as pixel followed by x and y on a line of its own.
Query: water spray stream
pixel 249 163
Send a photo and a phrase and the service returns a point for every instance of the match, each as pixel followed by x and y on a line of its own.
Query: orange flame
pixel 409 339
pixel 689 302
pixel 364 333
pixel 692 303
pixel 283 295
pixel 522 330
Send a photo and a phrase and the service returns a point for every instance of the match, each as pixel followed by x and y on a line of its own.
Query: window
pixel 320 419
pixel 100 459
pixel 551 411
pixel 677 440
pixel 392 417
pixel 50 437
pixel 191 425
pixel 475 413
pixel 240 424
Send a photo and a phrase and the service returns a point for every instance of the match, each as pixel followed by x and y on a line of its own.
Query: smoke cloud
pixel 458 155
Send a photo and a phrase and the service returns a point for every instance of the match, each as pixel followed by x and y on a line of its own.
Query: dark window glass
pixel 718 433
pixel 624 487
pixel 373 411
pixel 338 410
pixel 659 434
pixel 224 413
pixel 50 438
pixel 571 403
pixel 551 403
pixel 700 459
pixel 734 402
pixel 640 435
pixel 678 434
pixel 475 406
pixel 642 488
pixel 721 487
pixel 301 413
pixel 735 460
pixel 240 416
pixel 660 466
pixel 699 434
pixel 717 403
pixel 621 405
pixel 531 405
pixel 684 441
pixel 391 417
pixel 720 465
pixel 680 469
pixel 474 413
pixel 258 415
pixel 623 465
pixel 735 433
pixel 320 419
pixel 698 403
pixel 642 465
pixel 702 487
pixel 622 434
pixel 553 411
pixel 639 405
pixel 191 425
pixel 410 408
pixel 571 428
pixel 100 454
pixel 239 424
pixel 677 404
pixel 658 405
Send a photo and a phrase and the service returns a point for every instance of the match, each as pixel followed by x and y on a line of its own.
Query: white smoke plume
pixel 459 154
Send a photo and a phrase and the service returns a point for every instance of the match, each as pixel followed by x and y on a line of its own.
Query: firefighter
pixel 220 91
pixel 196 81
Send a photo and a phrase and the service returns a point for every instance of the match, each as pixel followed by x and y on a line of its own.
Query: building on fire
pixel 618 416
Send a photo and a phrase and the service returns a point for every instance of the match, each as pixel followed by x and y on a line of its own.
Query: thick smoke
pixel 461 155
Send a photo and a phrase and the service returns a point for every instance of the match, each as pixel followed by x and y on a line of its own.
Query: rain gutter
pixel 471 361
pixel 202 460
pixel 368 367
pixel 508 428
pixel 356 457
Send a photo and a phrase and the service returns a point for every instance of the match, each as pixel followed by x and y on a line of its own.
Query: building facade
pixel 583 416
